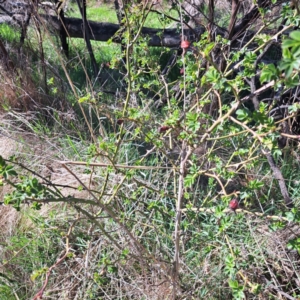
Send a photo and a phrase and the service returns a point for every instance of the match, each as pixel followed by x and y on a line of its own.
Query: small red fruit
pixel 120 121
pixel 234 204
pixel 164 128
pixel 185 44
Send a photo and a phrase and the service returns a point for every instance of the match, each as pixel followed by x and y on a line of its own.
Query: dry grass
pixel 17 90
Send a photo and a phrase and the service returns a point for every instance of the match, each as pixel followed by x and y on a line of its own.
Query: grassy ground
pixel 102 12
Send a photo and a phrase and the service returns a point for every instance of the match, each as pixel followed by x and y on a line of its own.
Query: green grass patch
pixel 154 20
pixel 96 12
pixel 106 13
pixel 9 33
pixel 102 13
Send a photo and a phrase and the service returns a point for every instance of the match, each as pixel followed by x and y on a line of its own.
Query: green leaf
pixel 233 284
pixel 2 162
pixel 85 98
pixel 295 35
pixel 8 171
pixel 36 206
pixel 268 73
pixel 276 225
pixel 288 43
pixel 294 244
pixel 242 114
pixel 208 48
pixel 189 180
pixel 255 184
pixel 50 81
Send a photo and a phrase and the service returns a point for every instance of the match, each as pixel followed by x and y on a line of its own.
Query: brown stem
pixel 211 7
pixel 278 175
pixel 184 157
pixel 39 295
pixel 62 32
pixel 235 5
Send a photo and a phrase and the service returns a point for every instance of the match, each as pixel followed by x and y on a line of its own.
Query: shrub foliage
pixel 160 140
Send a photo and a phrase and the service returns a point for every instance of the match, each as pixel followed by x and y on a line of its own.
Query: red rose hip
pixel 234 204
pixel 164 128
pixel 120 121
